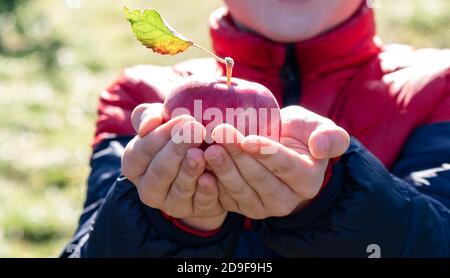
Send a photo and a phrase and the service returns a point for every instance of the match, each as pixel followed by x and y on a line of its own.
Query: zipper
pixel 290 76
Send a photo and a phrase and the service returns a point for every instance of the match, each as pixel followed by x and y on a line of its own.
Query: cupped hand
pixel 259 184
pixel 168 174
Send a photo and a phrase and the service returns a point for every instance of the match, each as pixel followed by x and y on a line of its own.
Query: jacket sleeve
pixel 115 223
pixel 405 213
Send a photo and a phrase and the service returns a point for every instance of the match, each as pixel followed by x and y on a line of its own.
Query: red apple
pixel 248 106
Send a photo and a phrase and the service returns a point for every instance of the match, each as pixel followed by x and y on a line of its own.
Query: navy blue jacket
pixel 364 210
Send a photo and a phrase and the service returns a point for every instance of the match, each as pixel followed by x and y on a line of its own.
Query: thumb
pixel 146 117
pixel 322 136
pixel 328 141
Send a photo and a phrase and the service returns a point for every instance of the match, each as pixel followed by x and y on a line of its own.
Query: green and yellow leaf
pixel 155 33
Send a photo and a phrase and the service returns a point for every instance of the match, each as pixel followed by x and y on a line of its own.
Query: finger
pixel 206 198
pixel 146 117
pixel 164 167
pixel 328 141
pixel 279 197
pixel 300 171
pixel 227 202
pixel 226 171
pixel 141 150
pixel 251 171
pixel 322 136
pixel 179 200
pixel 249 202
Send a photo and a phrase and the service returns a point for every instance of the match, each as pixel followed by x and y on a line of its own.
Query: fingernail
pixel 323 144
pixel 251 147
pixel 204 188
pixel 216 159
pixel 141 123
pixel 192 163
pixel 147 123
pixel 147 112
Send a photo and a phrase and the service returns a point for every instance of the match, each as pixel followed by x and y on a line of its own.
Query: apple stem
pixel 230 64
pixel 228 61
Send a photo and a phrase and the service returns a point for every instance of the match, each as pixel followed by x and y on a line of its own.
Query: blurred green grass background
pixel 57 56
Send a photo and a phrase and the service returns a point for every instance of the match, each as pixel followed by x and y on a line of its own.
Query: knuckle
pixel 236 189
pixel 191 172
pixel 206 205
pixel 178 149
pixel 183 188
pixel 160 171
pixel 203 203
pixel 202 210
pixel 237 154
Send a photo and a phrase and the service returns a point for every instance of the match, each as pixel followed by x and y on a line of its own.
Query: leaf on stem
pixel 155 33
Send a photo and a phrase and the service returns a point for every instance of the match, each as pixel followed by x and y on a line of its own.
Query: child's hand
pixel 264 185
pixel 170 176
